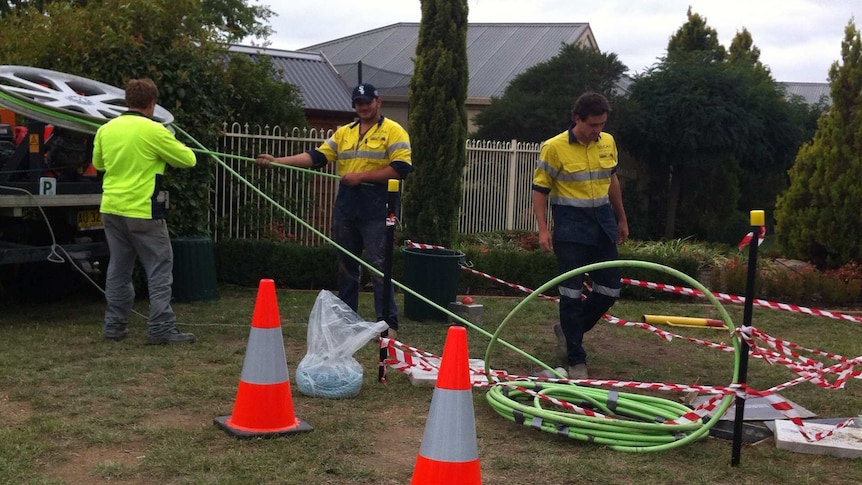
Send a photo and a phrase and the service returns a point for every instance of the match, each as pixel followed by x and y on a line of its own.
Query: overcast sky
pixel 798 39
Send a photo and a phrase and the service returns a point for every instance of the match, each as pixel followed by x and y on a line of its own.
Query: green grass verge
pixel 78 409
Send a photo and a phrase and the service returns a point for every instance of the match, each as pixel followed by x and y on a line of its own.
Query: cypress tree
pixel 817 218
pixel 438 123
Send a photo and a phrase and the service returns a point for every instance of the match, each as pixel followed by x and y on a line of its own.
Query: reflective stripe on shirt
pixel 384 143
pixel 576 175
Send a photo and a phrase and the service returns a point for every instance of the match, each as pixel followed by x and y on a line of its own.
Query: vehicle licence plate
pixel 91 219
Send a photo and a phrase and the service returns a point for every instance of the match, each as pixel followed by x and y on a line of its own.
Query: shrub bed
pixel 514 257
pixel 245 262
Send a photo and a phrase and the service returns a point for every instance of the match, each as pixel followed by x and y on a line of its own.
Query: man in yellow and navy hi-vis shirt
pixel 369 153
pixel 133 150
pixel 576 171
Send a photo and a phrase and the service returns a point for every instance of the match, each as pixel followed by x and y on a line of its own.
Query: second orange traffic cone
pixel 449 454
pixel 264 405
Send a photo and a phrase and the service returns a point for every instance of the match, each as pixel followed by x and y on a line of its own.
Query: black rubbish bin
pixel 194 269
pixel 433 273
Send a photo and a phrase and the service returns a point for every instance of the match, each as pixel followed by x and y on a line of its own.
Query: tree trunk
pixel 676 172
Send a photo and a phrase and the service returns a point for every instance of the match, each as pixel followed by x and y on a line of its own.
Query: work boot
pixel 578 371
pixel 562 346
pixel 116 333
pixel 174 336
pixel 550 375
pixel 393 334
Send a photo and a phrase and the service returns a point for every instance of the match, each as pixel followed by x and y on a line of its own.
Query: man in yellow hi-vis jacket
pixel 576 171
pixel 369 152
pixel 133 150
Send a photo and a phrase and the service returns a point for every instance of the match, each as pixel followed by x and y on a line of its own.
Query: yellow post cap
pixel 394 184
pixel 758 218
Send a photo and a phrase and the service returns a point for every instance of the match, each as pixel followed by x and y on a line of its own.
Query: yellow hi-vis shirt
pixel 384 143
pixel 576 175
pixel 133 151
pixel 577 179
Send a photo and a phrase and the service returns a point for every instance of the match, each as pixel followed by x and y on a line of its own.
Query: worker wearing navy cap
pixel 369 152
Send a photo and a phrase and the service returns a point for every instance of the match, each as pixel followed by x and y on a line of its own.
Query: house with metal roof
pixel 496 53
pixel 811 93
pixel 325 96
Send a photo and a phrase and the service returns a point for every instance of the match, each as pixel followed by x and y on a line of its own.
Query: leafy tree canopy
pixel 818 216
pixel 725 119
pixel 743 52
pixel 170 41
pixel 539 101
pixel 695 37
pixel 228 20
pixel 691 111
pixel 174 42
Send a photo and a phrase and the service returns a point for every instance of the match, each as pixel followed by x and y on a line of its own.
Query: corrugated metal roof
pixel 812 93
pixel 319 83
pixel 496 53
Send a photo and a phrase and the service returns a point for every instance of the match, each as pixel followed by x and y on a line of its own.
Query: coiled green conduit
pixel 634 423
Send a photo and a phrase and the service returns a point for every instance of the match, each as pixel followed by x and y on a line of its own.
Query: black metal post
pixel 757 220
pixel 393 187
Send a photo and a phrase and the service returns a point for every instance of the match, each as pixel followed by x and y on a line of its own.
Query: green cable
pixel 643 428
pixel 217 155
pixel 48 111
pixel 646 427
pixel 637 422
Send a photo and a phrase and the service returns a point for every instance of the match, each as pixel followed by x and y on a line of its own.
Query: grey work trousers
pixel 147 240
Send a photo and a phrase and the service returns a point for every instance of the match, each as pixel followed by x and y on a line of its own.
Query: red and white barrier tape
pixel 782 353
pixel 741 300
pixel 681 290
pixel 511 285
pixel 412 244
pixel 748 237
pixel 403 357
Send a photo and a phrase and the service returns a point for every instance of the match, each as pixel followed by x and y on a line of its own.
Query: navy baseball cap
pixel 364 92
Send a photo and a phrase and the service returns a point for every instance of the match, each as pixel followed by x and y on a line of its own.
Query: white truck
pixel 50 226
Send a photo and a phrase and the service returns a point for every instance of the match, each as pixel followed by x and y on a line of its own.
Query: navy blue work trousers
pixel 579 315
pixel 355 235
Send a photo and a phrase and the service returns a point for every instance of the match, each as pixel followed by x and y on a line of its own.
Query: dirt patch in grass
pixel 608 341
pixel 14 413
pixel 605 339
pixel 101 465
pixel 396 449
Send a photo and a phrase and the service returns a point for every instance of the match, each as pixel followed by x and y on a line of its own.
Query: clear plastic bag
pixel 335 333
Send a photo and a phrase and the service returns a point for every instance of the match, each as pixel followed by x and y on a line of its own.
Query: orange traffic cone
pixel 449 454
pixel 264 406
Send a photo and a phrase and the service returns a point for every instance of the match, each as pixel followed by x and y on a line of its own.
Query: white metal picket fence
pixel 496 187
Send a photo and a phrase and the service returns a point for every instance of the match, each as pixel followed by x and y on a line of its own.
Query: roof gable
pixel 496 53
pixel 318 81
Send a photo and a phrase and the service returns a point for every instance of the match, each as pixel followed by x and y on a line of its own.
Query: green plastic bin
pixel 194 269
pixel 433 273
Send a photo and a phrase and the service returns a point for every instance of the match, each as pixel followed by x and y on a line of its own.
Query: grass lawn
pixel 79 409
